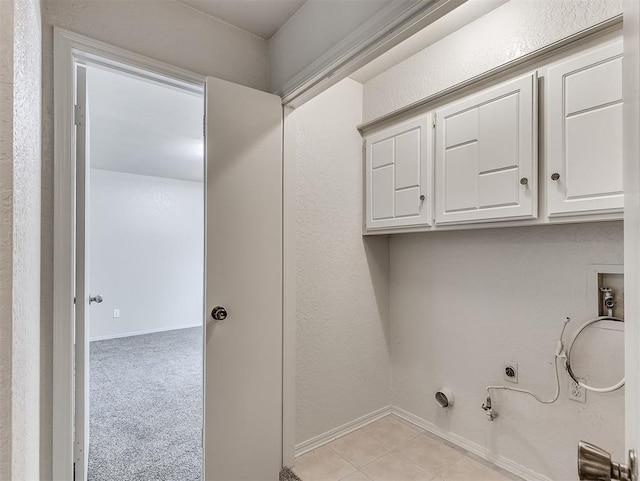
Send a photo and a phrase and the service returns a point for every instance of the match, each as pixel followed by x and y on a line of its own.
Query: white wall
pixel 510 31
pixel 162 29
pixel 146 253
pixel 20 115
pixel 464 302
pixel 342 334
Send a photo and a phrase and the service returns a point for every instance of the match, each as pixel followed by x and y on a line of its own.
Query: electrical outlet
pixel 510 371
pixel 116 313
pixel 576 392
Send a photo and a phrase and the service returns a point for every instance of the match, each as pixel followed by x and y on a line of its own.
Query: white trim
pixel 142 333
pixel 631 169
pixel 462 443
pixel 387 28
pixel 288 290
pixel 332 435
pixel 70 48
pixel 470 446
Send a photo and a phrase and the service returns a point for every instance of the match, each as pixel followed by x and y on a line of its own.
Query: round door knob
pixel 524 181
pixel 422 197
pixel 219 313
pixel 555 176
pixel 97 299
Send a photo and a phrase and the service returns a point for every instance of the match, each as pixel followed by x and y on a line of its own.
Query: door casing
pixel 71 49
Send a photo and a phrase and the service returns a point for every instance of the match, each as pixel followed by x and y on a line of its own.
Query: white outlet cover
pixel 116 313
pixel 576 392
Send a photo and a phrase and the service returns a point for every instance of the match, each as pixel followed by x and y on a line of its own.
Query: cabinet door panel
pixel 398 175
pixel 408 160
pixel 382 190
pixel 460 177
pixel 484 146
pixel 408 202
pixel 596 84
pixel 595 137
pixel 382 153
pixel 498 124
pixel 584 132
pixel 463 128
pixel 498 189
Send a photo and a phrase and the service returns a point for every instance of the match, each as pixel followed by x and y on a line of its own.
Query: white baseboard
pixel 465 444
pixel 322 439
pixel 470 446
pixel 140 333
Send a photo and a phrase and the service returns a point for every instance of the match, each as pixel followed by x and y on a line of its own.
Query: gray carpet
pixel 287 475
pixel 146 407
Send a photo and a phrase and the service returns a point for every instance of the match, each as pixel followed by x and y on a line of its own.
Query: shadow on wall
pixel 376 249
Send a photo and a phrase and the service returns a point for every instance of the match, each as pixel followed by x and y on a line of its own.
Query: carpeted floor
pixel 146 407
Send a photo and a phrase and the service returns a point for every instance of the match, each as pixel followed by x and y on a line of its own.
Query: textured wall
pixel 464 302
pixel 342 289
pixel 162 29
pixel 512 30
pixel 20 113
pixel 26 238
pixel 6 231
pixel 146 253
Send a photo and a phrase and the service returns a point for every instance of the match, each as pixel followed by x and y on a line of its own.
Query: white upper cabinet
pixel 584 132
pixel 398 175
pixel 486 155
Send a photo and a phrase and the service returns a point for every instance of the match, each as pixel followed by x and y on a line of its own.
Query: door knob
pixel 595 463
pixel 97 299
pixel 555 176
pixel 219 313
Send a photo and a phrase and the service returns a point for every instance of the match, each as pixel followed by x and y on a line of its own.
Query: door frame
pixel 631 169
pixel 69 49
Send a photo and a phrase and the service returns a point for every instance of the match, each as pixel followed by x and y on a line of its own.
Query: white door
pixel 486 157
pixel 584 132
pixel 243 365
pixel 81 345
pixel 398 183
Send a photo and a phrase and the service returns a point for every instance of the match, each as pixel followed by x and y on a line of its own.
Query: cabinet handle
pixel 524 181
pixel 555 176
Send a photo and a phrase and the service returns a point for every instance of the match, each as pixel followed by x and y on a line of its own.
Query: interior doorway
pixel 143 263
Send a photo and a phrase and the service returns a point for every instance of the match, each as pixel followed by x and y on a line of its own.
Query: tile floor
pixel 392 450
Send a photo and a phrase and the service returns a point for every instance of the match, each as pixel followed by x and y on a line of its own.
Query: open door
pixel 82 297
pixel 243 293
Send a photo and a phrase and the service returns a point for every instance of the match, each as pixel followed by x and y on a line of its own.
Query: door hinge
pixel 74 471
pixel 78 116
pixel 434 121
pixel 204 125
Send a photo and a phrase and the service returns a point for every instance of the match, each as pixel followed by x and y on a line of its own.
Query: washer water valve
pixel 607 300
pixel 491 414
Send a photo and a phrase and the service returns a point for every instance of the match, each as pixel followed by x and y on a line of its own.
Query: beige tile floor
pixel 392 450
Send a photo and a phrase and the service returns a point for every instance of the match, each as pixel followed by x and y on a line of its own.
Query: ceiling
pixel 144 127
pixel 260 17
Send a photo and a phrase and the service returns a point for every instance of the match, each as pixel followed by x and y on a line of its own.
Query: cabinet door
pixel 398 175
pixel 486 155
pixel 584 132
